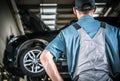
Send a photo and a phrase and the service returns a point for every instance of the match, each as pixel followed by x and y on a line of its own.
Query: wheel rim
pixel 31 61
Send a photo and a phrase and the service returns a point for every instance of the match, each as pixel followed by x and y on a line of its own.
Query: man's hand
pixel 46 59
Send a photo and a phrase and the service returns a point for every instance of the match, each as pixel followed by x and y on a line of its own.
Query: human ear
pixel 74 10
pixel 94 10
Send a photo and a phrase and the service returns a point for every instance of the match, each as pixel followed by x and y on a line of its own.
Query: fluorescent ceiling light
pixel 48 16
pixel 48 10
pixel 99 10
pixel 107 12
pixel 100 3
pixel 48 4
pixel 52 27
pixel 95 15
pixel 49 22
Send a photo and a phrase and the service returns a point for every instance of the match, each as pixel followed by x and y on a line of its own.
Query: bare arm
pixel 46 59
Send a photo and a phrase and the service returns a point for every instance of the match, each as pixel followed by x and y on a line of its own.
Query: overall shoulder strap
pixel 103 25
pixel 76 26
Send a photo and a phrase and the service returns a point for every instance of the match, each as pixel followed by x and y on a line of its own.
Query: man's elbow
pixel 42 57
pixel 45 56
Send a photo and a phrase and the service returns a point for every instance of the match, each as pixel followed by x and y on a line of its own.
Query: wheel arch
pixel 22 47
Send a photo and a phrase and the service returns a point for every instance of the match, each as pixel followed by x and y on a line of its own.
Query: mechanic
pixel 91 46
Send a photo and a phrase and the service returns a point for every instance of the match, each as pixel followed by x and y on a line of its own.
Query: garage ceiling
pixel 58 13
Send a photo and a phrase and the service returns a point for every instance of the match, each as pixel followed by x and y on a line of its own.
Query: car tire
pixel 29 60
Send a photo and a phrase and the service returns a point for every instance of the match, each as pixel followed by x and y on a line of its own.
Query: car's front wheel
pixel 29 57
pixel 30 62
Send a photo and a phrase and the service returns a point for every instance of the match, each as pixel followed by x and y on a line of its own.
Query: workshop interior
pixel 26 28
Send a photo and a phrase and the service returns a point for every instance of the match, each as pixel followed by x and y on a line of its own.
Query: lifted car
pixel 22 53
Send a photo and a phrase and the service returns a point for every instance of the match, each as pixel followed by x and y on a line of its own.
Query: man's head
pixel 84 7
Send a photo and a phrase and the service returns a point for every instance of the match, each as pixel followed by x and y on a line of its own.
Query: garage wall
pixel 7 26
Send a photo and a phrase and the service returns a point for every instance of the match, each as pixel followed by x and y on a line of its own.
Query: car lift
pixel 4 75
